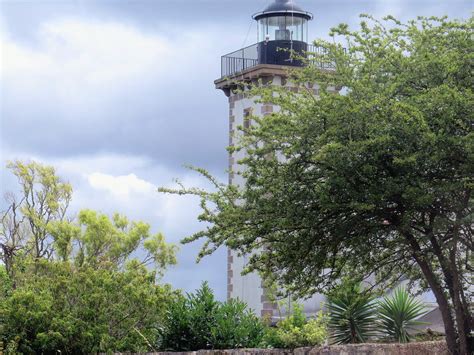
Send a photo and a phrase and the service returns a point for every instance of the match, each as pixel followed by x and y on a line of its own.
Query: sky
pixel 118 95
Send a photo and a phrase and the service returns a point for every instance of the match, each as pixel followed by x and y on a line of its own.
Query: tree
pixel 102 243
pixel 377 180
pixel 77 285
pixel 44 198
pixel 36 227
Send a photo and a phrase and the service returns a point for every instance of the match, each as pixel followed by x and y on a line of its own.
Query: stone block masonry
pixel 421 348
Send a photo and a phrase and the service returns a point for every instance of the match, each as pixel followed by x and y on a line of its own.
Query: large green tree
pixel 375 180
pixel 82 284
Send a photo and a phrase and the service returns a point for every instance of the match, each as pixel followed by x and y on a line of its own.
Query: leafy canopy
pixel 82 310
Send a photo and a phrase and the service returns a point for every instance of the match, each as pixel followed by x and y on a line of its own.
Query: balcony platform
pixel 259 71
pixel 268 59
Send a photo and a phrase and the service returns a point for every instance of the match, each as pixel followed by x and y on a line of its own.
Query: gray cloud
pixel 128 92
pixel 175 116
pixel 124 90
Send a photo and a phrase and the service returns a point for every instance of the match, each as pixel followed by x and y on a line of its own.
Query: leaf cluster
pixel 398 314
pixel 352 315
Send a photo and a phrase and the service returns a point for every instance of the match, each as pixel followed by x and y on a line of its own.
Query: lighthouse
pixel 282 30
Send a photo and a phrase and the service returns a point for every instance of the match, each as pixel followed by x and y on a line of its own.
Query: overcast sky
pixel 119 95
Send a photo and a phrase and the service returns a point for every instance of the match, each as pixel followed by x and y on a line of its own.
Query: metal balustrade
pixel 248 57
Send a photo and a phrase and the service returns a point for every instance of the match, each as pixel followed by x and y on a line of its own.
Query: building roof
pixel 283 7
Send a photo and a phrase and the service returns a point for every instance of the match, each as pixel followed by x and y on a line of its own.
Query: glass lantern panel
pixel 262 29
pixel 297 27
pixel 282 28
pixel 304 28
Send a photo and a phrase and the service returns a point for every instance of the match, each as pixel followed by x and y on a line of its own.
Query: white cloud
pixel 73 54
pixel 121 186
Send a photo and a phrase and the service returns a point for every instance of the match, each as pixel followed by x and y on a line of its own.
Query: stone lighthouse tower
pixel 282 25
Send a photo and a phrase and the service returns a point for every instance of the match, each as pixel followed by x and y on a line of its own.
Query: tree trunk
pixel 451 276
pixel 444 308
pixel 449 328
pixel 461 314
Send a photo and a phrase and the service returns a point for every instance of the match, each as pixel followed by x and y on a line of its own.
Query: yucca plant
pixel 351 315
pixel 398 314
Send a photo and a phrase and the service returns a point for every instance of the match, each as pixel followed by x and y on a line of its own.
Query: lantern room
pixel 282 40
pixel 283 21
pixel 282 33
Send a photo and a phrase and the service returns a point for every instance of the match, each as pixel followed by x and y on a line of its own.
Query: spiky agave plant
pixel 398 314
pixel 351 315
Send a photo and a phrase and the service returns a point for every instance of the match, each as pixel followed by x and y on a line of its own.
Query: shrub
pixel 295 331
pixel 236 327
pixel 351 314
pixel 398 315
pixel 197 321
pixel 83 310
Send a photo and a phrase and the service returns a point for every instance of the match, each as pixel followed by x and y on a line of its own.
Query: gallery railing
pixel 248 57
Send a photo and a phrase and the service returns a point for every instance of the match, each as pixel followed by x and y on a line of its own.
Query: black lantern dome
pixel 283 7
pixel 283 25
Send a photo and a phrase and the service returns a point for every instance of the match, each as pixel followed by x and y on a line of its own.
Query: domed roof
pixel 283 7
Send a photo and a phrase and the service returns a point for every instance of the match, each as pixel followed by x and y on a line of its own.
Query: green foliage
pixel 84 310
pixel 351 314
pixel 100 242
pixel 77 286
pixel 236 327
pixel 296 331
pixel 43 197
pixel 5 282
pixel 35 226
pixel 198 321
pixel 398 314
pixel 375 181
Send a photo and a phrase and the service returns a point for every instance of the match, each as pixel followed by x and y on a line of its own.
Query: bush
pixel 197 321
pixel 82 310
pixel 295 331
pixel 236 327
